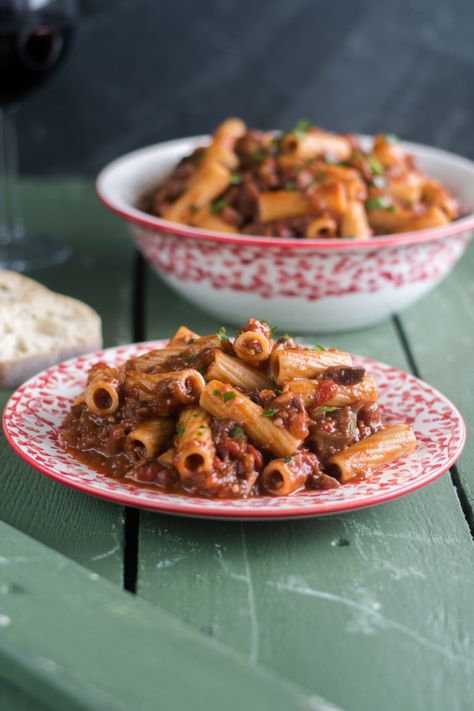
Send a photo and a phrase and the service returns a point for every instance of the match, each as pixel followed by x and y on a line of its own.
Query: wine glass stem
pixel 12 227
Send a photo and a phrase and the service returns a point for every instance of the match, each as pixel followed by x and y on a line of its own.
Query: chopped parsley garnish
pixel 237 432
pixel 284 338
pixel 217 393
pixel 321 175
pixel 319 347
pixel 287 459
pixel 217 206
pixel 258 155
pixel 191 340
pixel 375 166
pixel 235 178
pixel 322 410
pixel 301 128
pixel 378 203
pixel 201 429
pixel 180 430
pixel 194 207
pixel 273 330
pixel 189 357
pixel 290 185
pixel 222 334
pixel 229 396
pixel 270 412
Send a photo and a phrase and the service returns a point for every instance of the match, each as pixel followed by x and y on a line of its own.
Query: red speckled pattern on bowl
pixel 34 412
pixel 273 272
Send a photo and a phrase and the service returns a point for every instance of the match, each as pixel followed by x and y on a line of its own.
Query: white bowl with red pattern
pixel 302 285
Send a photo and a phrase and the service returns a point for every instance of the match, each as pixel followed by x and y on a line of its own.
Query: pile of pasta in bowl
pixel 221 418
pixel 305 183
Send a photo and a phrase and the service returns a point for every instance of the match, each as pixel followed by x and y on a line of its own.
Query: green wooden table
pixel 103 607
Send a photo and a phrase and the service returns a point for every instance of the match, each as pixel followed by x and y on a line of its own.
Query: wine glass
pixel 35 37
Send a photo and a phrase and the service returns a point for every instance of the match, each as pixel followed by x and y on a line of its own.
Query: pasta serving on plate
pixel 306 183
pixel 218 418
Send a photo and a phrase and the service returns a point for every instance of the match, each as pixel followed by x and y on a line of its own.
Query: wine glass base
pixel 34 252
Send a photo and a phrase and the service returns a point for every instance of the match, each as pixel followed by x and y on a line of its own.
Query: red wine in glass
pixel 35 38
pixel 31 47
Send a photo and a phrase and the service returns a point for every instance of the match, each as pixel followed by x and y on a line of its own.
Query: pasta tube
pixel 282 203
pixel 375 451
pixel 210 180
pixel 384 221
pixel 364 392
pixel 435 194
pixel 153 360
pixel 354 221
pixel 222 400
pixel 433 217
pixel 195 449
pixel 321 228
pixel 408 188
pixel 230 370
pixel 388 152
pixel 284 476
pixel 143 385
pixel 166 459
pixel 314 143
pixel 328 197
pixel 149 438
pixel 294 363
pixel 207 220
pixel 221 148
pixel 102 391
pixel 182 337
pixel 253 346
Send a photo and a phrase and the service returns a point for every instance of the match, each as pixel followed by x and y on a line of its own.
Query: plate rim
pixel 174 507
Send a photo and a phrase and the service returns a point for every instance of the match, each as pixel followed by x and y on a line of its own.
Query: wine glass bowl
pixel 35 38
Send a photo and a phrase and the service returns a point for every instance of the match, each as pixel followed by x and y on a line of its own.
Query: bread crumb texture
pixel 36 323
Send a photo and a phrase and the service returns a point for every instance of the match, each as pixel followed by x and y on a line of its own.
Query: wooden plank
pixel 95 647
pixel 86 529
pixel 16 699
pixel 440 331
pixel 359 608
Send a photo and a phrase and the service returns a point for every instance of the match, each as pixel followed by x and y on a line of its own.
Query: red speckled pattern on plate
pixel 34 412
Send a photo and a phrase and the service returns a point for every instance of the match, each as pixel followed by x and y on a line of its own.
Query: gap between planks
pixel 454 474
pixel 131 515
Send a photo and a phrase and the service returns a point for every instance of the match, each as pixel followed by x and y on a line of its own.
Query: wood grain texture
pixel 440 333
pixel 77 642
pixel 371 610
pixel 83 528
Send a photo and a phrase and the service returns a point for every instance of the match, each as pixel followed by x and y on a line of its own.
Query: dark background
pixel 143 71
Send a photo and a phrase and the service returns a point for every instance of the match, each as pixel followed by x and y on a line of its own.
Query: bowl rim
pixel 157 224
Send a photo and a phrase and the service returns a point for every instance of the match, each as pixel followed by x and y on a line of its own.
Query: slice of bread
pixel 39 328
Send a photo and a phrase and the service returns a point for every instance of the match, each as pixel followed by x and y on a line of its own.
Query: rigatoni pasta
pixel 220 417
pixel 305 183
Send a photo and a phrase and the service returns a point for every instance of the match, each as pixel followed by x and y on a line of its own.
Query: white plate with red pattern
pixel 34 412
